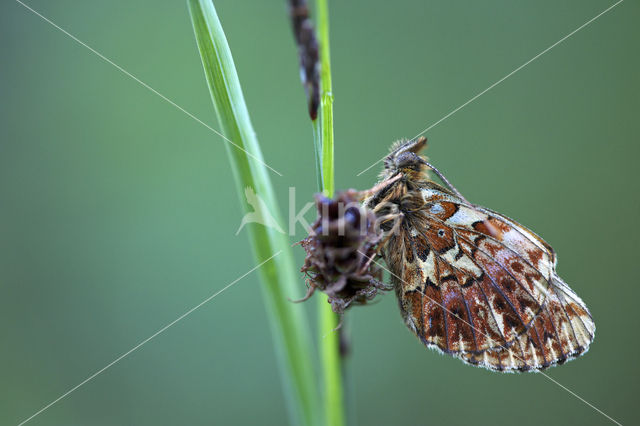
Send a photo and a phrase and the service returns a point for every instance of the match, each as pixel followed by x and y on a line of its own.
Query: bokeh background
pixel 118 212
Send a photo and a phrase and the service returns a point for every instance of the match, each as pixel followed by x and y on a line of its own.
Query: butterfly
pixel 471 282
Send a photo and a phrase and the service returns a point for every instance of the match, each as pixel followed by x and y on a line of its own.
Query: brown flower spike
pixel 340 250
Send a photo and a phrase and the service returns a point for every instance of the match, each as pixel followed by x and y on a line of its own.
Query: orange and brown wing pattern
pixel 561 332
pixel 477 285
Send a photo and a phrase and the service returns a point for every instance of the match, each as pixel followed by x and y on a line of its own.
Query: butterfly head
pixel 405 164
pixel 404 158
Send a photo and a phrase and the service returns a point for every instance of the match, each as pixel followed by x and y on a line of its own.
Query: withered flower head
pixel 341 247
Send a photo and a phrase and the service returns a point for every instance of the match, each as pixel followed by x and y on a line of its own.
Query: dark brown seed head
pixel 340 250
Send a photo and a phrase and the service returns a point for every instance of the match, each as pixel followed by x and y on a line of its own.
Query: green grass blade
pixel 279 278
pixel 326 98
pixel 328 320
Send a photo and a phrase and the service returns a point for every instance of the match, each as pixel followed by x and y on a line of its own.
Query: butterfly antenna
pixel 445 180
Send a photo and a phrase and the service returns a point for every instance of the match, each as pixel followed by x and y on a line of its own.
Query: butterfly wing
pixel 562 331
pixel 479 286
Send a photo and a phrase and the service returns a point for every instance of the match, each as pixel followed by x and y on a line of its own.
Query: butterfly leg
pixel 381 285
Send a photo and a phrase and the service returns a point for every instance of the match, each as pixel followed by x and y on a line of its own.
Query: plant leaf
pixel 279 278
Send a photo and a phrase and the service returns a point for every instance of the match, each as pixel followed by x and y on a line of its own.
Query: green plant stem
pixel 317 145
pixel 326 99
pixel 279 279
pixel 328 320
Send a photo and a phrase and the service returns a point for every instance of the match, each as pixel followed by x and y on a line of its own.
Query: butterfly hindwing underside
pixel 471 282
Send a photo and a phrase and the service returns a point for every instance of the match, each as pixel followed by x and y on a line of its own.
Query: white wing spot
pixel 565 331
pixel 436 208
pixel 533 352
pixel 511 358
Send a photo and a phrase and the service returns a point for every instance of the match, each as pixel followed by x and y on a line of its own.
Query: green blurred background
pixel 118 212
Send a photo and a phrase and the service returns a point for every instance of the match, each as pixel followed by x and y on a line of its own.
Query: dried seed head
pixel 340 250
pixel 305 36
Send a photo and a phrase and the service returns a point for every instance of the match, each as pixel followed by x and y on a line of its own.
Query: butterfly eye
pixel 408 160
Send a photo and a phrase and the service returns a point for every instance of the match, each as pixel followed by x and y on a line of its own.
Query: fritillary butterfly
pixel 471 282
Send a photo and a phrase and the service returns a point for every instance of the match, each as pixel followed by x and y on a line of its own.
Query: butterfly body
pixel 471 282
